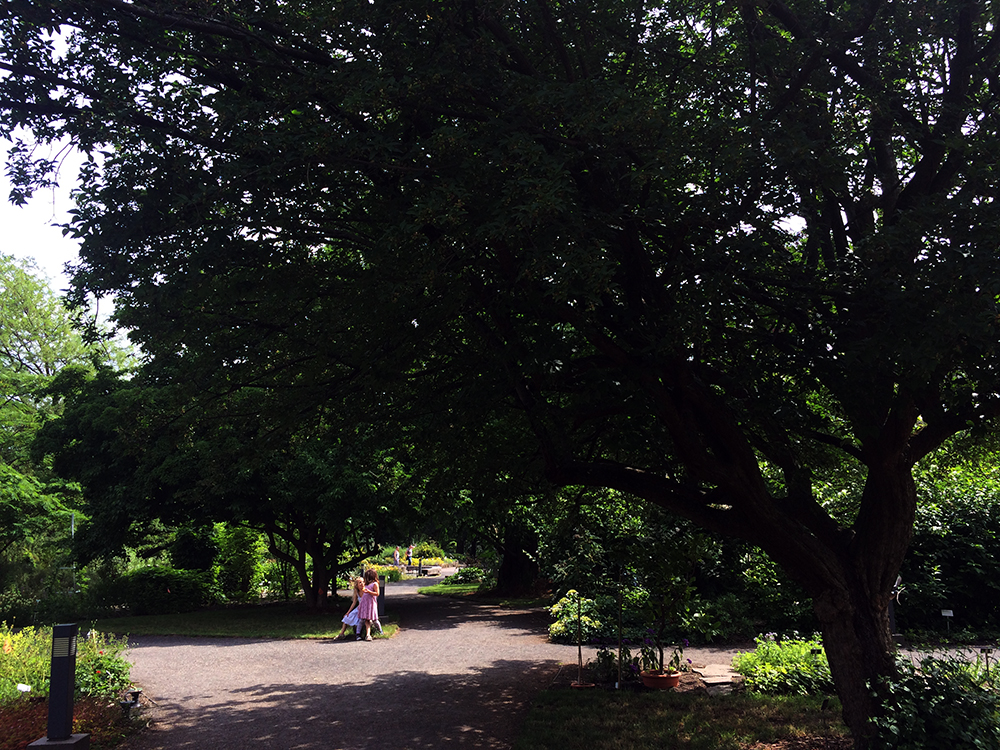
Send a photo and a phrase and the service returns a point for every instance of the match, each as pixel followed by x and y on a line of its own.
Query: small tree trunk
pixel 579 639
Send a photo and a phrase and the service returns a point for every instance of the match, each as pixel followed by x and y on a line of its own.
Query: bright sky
pixel 28 232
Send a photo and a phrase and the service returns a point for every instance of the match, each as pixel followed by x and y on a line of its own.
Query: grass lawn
pixel 472 590
pixel 282 620
pixel 566 719
pixel 450 589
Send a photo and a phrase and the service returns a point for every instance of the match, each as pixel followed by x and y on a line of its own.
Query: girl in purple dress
pixel 368 608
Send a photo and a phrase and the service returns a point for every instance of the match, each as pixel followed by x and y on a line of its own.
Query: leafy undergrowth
pixel 24 721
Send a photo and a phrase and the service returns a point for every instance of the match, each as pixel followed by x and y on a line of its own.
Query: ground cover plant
pixel 102 676
pixel 938 702
pixel 789 666
pixel 25 659
pixel 565 719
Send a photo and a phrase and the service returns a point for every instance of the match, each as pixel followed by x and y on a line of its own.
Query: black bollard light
pixel 62 681
pixel 381 596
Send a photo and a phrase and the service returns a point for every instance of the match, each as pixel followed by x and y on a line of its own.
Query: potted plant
pixel 656 674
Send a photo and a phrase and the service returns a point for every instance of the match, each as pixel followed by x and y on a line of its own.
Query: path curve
pixel 458 674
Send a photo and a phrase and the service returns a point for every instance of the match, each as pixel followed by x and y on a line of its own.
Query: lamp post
pixel 62 681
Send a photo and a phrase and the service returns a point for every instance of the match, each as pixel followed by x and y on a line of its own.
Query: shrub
pixel 390 572
pixel 427 549
pixel 101 668
pixel 726 617
pixel 16 608
pixel 24 660
pixel 466 575
pixel 194 548
pixel 160 591
pixel 564 629
pixel 239 569
pixel 940 703
pixel 786 667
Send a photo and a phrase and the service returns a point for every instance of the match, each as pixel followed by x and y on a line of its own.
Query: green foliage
pixel 604 666
pixel 194 548
pixel 786 667
pixel 727 617
pixel 426 550
pixel 240 566
pixel 390 572
pixel 953 560
pixel 937 703
pixel 150 591
pixel 469 574
pixel 566 610
pixel 101 667
pixel 26 655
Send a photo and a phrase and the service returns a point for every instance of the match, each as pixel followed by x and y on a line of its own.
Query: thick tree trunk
pixel 860 650
pixel 853 606
pixel 518 571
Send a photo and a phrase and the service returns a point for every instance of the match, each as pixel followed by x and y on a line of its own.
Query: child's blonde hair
pixel 358 585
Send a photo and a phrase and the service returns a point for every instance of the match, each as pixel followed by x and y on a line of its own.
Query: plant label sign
pixel 947 613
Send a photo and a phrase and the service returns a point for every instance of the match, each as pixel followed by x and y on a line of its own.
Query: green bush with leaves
pixel 564 629
pixel 26 656
pixel 427 549
pixel 390 572
pixel 937 703
pixel 470 574
pixel 786 667
pixel 239 568
pixel 726 617
pixel 101 667
pixel 161 591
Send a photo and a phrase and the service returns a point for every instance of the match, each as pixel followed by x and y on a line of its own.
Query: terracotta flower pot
pixel 660 681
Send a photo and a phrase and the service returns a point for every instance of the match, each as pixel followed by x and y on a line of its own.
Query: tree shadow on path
pixel 335 703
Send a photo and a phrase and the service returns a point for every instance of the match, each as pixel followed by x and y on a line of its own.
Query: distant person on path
pixel 409 555
pixel 351 618
pixel 395 557
pixel 368 609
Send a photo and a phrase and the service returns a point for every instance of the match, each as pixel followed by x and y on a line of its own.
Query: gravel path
pixel 457 674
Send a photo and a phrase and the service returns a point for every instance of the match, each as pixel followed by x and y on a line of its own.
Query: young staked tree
pixel 703 250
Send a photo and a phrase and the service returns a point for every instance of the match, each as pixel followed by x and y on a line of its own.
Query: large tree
pixel 37 340
pixel 148 454
pixel 704 250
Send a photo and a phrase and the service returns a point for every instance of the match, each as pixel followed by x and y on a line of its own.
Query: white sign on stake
pixel 947 613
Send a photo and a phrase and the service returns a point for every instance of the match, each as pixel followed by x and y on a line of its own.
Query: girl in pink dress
pixel 368 608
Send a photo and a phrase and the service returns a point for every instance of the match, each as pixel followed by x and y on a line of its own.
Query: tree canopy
pixel 38 340
pixel 700 252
